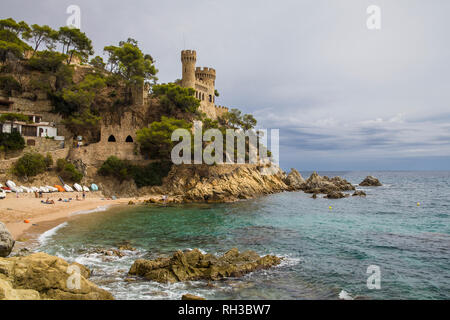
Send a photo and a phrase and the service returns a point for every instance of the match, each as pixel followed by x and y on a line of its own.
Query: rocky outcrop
pixel 318 184
pixel 335 195
pixel 6 241
pixel 189 296
pixel 359 193
pixel 41 276
pixel 294 180
pixel 370 181
pixel 222 183
pixel 193 265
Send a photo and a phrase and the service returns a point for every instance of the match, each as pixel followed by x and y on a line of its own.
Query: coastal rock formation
pixel 189 296
pixel 41 276
pixel 318 184
pixel 370 181
pixel 294 180
pixel 222 183
pixel 335 195
pixel 193 265
pixel 6 241
pixel 359 193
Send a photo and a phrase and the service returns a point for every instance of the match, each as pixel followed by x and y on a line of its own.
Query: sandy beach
pixel 42 217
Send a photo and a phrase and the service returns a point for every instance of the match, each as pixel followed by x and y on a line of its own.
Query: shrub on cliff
pixel 67 171
pixel 46 61
pixel 114 167
pixel 30 165
pixel 9 83
pixel 11 141
pixel 149 175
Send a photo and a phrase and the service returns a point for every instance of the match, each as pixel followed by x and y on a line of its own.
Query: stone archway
pixel 111 138
pixel 129 139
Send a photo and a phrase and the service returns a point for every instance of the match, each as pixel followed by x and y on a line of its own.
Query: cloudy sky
pixel 344 97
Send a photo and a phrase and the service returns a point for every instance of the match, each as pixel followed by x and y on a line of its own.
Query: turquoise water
pixel 325 251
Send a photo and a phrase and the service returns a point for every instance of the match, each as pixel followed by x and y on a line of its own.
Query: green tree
pixel 75 42
pixel 98 63
pixel 131 63
pixel 39 35
pixel 29 165
pixel 174 98
pixel 11 141
pixel 156 141
pixel 84 123
pixel 67 171
pixel 46 61
pixel 115 167
pixel 9 83
pixel 248 122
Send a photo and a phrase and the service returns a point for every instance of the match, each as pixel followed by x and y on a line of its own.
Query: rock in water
pixel 335 195
pixel 318 184
pixel 189 296
pixel 6 241
pixel 193 265
pixel 370 181
pixel 41 276
pixel 359 193
pixel 294 180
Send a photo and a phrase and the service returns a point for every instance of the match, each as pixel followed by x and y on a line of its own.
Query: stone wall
pixel 96 153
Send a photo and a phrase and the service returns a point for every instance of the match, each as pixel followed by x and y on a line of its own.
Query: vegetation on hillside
pixel 67 171
pixel 32 164
pixel 11 141
pixel 149 175
pixel 156 139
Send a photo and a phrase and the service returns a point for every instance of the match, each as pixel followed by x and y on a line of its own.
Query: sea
pixel 392 244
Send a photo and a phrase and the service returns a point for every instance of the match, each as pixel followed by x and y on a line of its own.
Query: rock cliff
pixel 41 276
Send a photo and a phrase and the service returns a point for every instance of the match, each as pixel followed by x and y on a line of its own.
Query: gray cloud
pixel 343 96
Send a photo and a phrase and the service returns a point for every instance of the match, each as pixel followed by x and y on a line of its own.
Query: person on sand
pixel 78 199
pixel 84 196
pixel 36 194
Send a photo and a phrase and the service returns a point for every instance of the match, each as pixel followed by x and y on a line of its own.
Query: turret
pixel 188 60
pixel 205 74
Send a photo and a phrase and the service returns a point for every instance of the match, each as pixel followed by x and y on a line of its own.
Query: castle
pixel 203 80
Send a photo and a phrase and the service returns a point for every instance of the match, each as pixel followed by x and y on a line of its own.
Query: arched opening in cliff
pixel 129 139
pixel 111 138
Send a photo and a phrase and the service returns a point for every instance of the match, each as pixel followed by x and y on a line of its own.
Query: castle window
pixel 203 96
pixel 111 138
pixel 129 139
pixel 210 98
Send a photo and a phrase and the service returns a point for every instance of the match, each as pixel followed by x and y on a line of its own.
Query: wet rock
pixel 41 276
pixel 193 265
pixel 335 195
pixel 189 296
pixel 125 246
pixel 359 193
pixel 370 181
pixel 6 241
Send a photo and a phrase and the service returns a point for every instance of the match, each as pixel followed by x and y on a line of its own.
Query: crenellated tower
pixel 203 80
pixel 188 60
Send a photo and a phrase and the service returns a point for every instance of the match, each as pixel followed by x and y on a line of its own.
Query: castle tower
pixel 188 60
